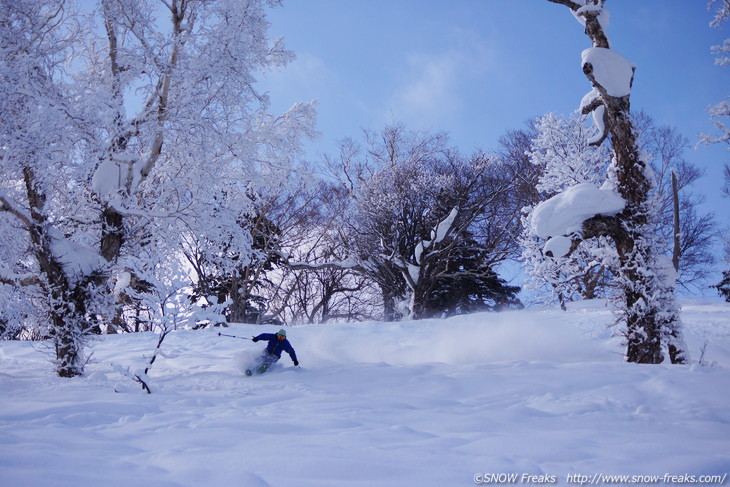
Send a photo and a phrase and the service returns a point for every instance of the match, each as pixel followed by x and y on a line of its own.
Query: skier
pixel 277 344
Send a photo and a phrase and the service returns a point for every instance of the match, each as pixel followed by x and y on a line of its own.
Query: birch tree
pixel 124 137
pixel 38 169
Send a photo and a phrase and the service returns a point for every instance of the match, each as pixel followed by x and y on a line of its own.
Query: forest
pixel 146 185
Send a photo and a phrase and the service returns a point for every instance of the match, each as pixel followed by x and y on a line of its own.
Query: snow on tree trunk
pixel 66 299
pixel 648 304
pixel 418 290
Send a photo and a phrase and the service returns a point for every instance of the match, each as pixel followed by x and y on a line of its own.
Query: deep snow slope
pixel 428 403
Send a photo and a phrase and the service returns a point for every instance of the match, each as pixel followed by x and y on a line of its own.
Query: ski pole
pixel 232 336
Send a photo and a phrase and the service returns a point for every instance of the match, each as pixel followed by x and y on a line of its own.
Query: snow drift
pixel 427 403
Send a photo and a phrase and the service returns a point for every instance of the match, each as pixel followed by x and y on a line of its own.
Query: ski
pixel 263 368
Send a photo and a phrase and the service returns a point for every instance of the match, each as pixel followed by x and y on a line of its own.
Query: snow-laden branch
pixel 610 70
pixel 565 213
pixel 722 51
pixel 7 205
pixel 592 15
pixel 574 6
pixel 438 234
pixel 77 260
pixel 412 273
pixel 11 278
pixel 611 76
pixel 347 264
pixel 717 114
pixel 722 13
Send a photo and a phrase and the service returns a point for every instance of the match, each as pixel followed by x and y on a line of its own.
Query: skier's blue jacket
pixel 276 346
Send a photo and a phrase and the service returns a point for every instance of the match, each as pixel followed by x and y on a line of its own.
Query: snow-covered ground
pixel 456 402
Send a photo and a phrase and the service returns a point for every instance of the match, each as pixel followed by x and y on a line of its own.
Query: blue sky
pixel 478 68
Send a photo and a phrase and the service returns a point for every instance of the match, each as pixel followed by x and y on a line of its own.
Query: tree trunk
pixel 68 306
pixel 419 310
pixel 112 233
pixel 644 341
pixel 676 234
pixel 390 311
pixel 67 303
pixel 68 336
pixel 639 273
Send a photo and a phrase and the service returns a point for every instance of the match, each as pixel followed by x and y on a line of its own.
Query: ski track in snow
pixel 428 403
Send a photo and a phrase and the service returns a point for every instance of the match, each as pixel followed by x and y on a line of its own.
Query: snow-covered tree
pixel 513 151
pixel 203 117
pixel 338 292
pixel 620 209
pixel 561 151
pixel 310 292
pixel 665 150
pixel 416 207
pixel 719 115
pixel 38 131
pixel 721 111
pixel 479 289
pixel 723 287
pixel 125 128
pixel 296 225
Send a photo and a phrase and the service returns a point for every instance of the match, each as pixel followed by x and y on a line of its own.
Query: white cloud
pixel 435 86
pixel 430 90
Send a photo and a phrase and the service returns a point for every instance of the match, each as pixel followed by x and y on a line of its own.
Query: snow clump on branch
pixel 603 15
pixel 564 214
pixel 611 70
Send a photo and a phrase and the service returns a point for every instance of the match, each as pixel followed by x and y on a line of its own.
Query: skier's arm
pixel 293 355
pixel 264 336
